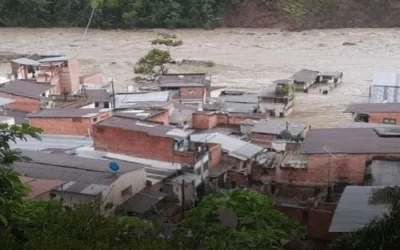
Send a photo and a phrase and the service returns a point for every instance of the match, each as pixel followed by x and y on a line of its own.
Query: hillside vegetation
pixel 292 14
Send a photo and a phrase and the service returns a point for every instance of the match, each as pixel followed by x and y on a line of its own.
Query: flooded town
pixel 309 120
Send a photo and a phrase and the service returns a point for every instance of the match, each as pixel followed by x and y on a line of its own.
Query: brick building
pixel 336 155
pixel 211 119
pixel 144 139
pixel 28 96
pixel 383 113
pixel 60 72
pixel 186 88
pixel 67 121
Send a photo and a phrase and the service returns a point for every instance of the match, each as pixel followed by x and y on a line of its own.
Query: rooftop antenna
pixel 114 167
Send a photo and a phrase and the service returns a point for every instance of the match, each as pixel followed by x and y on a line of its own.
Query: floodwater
pixel 246 59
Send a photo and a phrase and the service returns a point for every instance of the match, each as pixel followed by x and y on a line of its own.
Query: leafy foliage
pixel 380 233
pixel 153 59
pixel 113 13
pixel 240 220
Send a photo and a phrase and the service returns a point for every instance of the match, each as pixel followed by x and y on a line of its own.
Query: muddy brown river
pixel 246 59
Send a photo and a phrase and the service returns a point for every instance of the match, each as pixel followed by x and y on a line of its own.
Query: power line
pixel 86 30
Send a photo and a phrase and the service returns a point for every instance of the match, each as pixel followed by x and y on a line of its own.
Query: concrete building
pixel 67 121
pixel 28 96
pixel 130 100
pixel 83 179
pixel 343 154
pixel 382 113
pixel 385 88
pixel 231 158
pixel 272 133
pixel 278 99
pixel 304 78
pixel 61 72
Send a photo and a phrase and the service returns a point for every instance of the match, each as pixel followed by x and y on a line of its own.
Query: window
pixel 52 196
pixel 106 105
pixel 95 119
pixel 389 121
pixel 126 192
pixel 96 104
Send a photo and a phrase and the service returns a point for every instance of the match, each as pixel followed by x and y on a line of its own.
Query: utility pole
pixel 183 198
pixel 329 194
pixel 113 91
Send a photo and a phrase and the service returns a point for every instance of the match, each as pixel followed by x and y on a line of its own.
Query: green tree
pixel 169 40
pixel 382 232
pixel 240 220
pixel 154 60
pixel 12 191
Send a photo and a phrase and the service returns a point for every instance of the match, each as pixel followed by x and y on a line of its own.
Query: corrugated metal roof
pixel 26 61
pixel 348 140
pixel 98 95
pixel 245 98
pixel 129 99
pixel 275 127
pixel 354 210
pixel 385 88
pixel 367 108
pixel 236 147
pixel 25 88
pixel 5 101
pixel 179 115
pixel 67 113
pixel 151 128
pixel 40 186
pixel 305 75
pixel 55 59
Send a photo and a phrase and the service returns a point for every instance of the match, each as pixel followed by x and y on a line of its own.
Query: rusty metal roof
pixel 25 88
pixel 348 141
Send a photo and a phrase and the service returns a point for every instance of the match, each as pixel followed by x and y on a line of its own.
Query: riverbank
pixel 246 59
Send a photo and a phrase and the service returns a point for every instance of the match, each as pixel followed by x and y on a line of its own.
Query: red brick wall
pixel 73 67
pixel 240 179
pixel 184 157
pixel 198 92
pixel 378 117
pixel 263 139
pixel 215 154
pixel 95 79
pixel 134 143
pixel 22 103
pixel 67 126
pixel 63 126
pixel 321 168
pixel 162 117
pixel 204 120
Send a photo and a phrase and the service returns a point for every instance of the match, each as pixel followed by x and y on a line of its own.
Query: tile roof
pixel 67 113
pixel 25 88
pixel 151 128
pixel 275 127
pixel 367 108
pixel 354 210
pixel 348 140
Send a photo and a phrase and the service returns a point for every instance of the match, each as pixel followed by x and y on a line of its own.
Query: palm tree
pixel 382 233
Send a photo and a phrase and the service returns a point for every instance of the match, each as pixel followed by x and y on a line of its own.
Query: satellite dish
pixel 113 166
